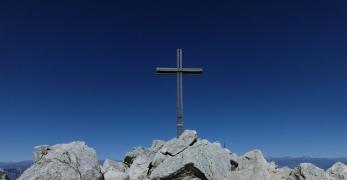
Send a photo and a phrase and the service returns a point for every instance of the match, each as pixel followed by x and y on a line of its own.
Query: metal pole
pixel 179 94
pixel 181 97
pixel 177 91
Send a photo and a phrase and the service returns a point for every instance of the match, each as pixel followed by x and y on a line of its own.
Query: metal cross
pixel 179 71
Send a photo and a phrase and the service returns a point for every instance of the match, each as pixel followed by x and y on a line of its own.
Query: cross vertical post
pixel 180 121
pixel 179 71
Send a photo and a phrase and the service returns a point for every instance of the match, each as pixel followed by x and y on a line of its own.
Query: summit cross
pixel 179 71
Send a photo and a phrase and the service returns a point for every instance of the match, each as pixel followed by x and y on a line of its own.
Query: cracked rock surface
pixel 114 170
pixel 208 160
pixel 308 171
pixel 73 161
pixel 184 158
pixel 338 171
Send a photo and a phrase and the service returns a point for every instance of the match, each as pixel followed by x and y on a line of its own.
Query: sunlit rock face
pixel 75 161
pixel 338 171
pixel 184 158
pixel 308 171
pixel 113 170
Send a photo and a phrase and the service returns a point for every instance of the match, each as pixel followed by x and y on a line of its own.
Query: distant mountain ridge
pixel 14 169
pixel 19 164
pixel 291 162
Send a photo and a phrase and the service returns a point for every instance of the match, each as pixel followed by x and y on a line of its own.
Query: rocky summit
pixel 184 158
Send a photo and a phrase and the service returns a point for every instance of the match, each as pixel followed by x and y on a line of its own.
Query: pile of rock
pixel 183 158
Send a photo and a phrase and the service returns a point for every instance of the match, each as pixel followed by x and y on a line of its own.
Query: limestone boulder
pixel 279 173
pixel 139 168
pixel 157 145
pixel 114 170
pixel 110 165
pixel 72 161
pixel 338 171
pixel 307 171
pixel 200 160
pixel 140 159
pixel 251 166
pixel 40 152
pixel 133 154
pixel 184 158
pixel 116 175
pixel 252 159
pixel 177 145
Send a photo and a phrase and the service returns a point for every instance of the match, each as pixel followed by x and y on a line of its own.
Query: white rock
pixel 157 145
pixel 250 174
pixel 252 159
pixel 177 145
pixel 202 160
pixel 114 170
pixel 72 161
pixel 279 173
pixel 217 143
pixel 308 171
pixel 39 152
pixel 139 167
pixel 338 171
pixel 183 158
pixel 110 165
pixel 140 159
pixel 252 166
pixel 133 153
pixel 116 175
pixel 158 158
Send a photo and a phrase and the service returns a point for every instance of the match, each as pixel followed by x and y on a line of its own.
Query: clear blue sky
pixel 275 74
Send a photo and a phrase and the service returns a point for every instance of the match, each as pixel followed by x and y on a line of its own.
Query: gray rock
pixel 307 171
pixel 158 158
pixel 140 167
pixel 252 166
pixel 177 145
pixel 3 175
pixel 133 153
pixel 140 159
pixel 116 175
pixel 183 158
pixel 114 170
pixel 39 152
pixel 110 165
pixel 72 161
pixel 279 173
pixel 157 145
pixel 203 160
pixel 338 171
pixel 252 160
pixel 250 174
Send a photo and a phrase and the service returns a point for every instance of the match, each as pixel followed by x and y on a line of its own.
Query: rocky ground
pixel 185 158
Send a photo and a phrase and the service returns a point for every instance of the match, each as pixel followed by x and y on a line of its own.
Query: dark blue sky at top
pixel 275 74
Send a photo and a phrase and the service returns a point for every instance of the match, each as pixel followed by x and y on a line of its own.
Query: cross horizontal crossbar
pixel 161 70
